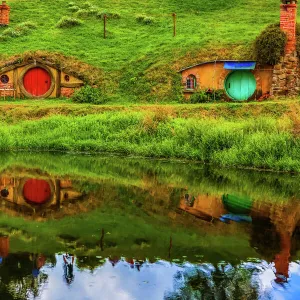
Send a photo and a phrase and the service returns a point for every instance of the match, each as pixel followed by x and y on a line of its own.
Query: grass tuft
pixel 145 20
pixel 68 22
pixel 19 30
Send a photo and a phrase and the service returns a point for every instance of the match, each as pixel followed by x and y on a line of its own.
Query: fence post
pixel 174 24
pixel 104 19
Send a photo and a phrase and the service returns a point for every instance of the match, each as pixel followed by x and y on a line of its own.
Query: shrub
pixel 67 22
pixel 269 45
pixel 19 30
pixel 200 97
pixel 145 20
pixel 207 96
pixel 88 94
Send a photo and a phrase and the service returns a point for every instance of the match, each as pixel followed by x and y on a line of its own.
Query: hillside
pixel 140 60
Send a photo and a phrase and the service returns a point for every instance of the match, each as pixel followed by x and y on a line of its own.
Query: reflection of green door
pixel 240 85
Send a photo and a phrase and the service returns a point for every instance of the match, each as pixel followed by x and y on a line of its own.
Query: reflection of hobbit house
pixel 37 80
pixel 36 193
pixel 243 80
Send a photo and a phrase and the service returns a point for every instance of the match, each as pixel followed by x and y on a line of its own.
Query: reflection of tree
pixel 17 281
pixel 207 282
pixel 23 288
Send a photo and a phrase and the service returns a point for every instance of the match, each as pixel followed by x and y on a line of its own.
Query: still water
pixel 91 227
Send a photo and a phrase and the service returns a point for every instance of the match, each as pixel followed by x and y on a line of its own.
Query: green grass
pixel 262 142
pixel 143 60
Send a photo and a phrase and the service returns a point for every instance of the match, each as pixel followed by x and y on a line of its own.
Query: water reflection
pixel 81 226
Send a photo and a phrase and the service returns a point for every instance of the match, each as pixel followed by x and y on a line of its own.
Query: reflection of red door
pixel 4 246
pixel 37 81
pixel 36 191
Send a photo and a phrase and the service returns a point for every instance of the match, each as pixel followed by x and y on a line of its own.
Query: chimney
pixel 4 14
pixel 288 19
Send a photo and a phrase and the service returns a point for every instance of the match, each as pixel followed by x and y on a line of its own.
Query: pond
pixel 110 227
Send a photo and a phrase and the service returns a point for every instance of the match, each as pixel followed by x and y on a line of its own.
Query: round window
pixel 67 78
pixel 4 79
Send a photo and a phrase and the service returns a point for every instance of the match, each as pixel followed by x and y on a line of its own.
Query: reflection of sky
pixel 111 283
pixel 288 291
pixel 152 281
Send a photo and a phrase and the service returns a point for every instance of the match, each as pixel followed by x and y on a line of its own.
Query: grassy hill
pixel 139 59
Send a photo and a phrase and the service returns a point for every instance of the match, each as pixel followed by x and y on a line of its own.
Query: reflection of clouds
pixel 107 282
pixel 274 291
pixel 155 281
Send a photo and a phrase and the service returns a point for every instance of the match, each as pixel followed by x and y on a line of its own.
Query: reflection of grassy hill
pixel 143 58
pixel 136 202
pixel 148 174
pixel 128 232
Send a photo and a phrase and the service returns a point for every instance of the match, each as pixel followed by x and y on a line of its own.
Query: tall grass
pixel 235 143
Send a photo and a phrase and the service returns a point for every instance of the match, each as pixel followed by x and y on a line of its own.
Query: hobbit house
pixel 36 79
pixel 245 80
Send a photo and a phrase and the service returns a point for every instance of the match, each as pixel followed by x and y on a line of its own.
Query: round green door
pixel 240 85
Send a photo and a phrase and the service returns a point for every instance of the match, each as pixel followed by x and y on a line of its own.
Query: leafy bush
pixel 67 22
pixel 88 94
pixel 207 96
pixel 199 97
pixel 145 20
pixel 19 30
pixel 218 95
pixel 269 45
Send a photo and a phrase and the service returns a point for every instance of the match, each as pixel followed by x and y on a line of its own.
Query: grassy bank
pixel 14 111
pixel 222 137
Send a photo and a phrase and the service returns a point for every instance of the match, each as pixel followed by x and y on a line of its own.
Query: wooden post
pixel 174 24
pixel 104 19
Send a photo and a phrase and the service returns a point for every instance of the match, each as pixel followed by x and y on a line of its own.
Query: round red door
pixel 37 81
pixel 36 191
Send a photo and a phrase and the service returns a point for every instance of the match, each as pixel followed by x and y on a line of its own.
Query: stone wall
pixel 285 80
